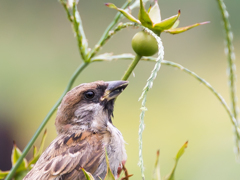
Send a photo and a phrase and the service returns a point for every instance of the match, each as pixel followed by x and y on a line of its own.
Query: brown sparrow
pixel 85 130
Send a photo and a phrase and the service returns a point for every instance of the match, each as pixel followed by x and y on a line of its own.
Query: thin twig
pixel 131 67
pixel 126 173
pixel 203 81
pixel 119 27
pixel 64 4
pixel 81 38
pixel 106 32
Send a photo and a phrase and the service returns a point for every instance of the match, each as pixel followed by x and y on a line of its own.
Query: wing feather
pixel 67 154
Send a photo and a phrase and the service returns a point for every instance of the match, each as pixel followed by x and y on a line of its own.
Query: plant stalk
pixel 231 57
pixel 44 122
pixel 131 67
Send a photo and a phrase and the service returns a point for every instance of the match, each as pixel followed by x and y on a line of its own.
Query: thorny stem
pixel 105 34
pixel 44 122
pixel 131 67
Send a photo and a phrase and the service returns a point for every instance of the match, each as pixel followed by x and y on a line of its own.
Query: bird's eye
pixel 89 94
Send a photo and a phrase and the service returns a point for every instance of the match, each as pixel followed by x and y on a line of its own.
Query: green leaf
pixel 156 171
pixel 154 13
pixel 16 153
pixel 166 23
pixel 183 29
pixel 125 13
pixel 35 151
pixel 181 151
pixel 176 24
pixel 144 17
pixel 3 174
pixel 42 142
pixel 109 175
pixel 88 175
pixel 179 154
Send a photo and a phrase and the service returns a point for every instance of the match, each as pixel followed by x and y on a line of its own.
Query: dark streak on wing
pixel 73 137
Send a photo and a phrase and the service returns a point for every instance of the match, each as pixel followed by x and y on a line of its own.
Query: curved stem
pixel 220 98
pixel 131 67
pixel 44 122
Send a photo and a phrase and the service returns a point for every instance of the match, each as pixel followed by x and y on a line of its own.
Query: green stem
pixel 131 67
pixel 230 55
pixel 80 35
pixel 64 4
pixel 44 122
pixel 220 98
pixel 105 34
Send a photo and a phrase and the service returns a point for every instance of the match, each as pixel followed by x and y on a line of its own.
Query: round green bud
pixel 144 44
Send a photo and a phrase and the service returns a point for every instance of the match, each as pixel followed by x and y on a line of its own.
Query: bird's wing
pixel 67 154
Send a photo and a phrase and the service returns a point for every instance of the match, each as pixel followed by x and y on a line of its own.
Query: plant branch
pixel 105 34
pixel 203 81
pixel 81 38
pixel 231 66
pixel 230 55
pixel 131 67
pixel 119 27
pixel 64 4
pixel 44 122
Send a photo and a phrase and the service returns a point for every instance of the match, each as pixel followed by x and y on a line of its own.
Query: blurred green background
pixel 38 54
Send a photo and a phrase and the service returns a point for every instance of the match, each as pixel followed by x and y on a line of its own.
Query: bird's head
pixel 89 105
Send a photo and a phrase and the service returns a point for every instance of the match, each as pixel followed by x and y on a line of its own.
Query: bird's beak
pixel 114 89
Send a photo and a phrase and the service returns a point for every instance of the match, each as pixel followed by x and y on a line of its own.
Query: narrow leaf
pixel 156 171
pixel 149 9
pixel 166 23
pixel 144 17
pixel 3 174
pixel 154 13
pixel 183 29
pixel 88 175
pixel 179 154
pixel 176 24
pixel 125 13
pixel 42 142
pixel 16 153
pixel 109 175
pixel 181 151
pixel 36 153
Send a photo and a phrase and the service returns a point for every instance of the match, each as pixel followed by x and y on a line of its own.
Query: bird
pixel 85 134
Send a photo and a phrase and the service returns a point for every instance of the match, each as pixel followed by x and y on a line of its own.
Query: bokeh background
pixel 38 54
